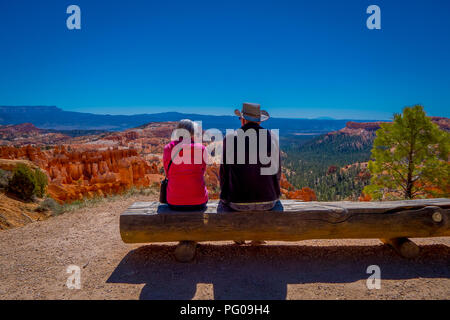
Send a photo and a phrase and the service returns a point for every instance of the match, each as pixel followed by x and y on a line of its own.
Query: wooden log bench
pixel 391 221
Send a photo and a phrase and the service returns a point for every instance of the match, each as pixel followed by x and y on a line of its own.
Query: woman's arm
pixel 166 157
pixel 205 159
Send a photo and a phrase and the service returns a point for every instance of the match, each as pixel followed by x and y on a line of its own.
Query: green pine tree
pixel 410 158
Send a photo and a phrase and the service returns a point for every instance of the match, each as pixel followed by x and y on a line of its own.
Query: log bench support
pixel 394 222
pixel 185 251
pixel 403 246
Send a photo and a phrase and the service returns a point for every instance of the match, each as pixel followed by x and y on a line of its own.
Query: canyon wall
pixel 74 175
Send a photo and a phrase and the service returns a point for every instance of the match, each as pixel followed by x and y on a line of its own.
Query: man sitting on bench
pixel 246 183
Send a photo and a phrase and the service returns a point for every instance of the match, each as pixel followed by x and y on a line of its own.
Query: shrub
pixel 23 182
pixel 50 205
pixel 4 178
pixel 41 183
pixel 27 183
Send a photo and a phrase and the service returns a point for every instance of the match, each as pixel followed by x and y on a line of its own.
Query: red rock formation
pixel 364 175
pixel 212 180
pixel 97 173
pixel 443 123
pixel 305 194
pixel 76 174
pixel 331 169
pixel 365 197
pixel 24 128
pixel 369 126
pixel 97 165
pixel 34 154
pixel 357 128
pixel 288 191
pixel 27 133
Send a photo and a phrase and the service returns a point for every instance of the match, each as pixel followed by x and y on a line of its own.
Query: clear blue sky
pixel 296 58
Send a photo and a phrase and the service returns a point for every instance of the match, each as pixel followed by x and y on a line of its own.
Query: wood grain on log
pixel 290 220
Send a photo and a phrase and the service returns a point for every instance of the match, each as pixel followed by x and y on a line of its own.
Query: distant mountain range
pixel 51 117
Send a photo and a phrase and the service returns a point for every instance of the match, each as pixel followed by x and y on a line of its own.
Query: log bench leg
pixel 405 247
pixel 185 251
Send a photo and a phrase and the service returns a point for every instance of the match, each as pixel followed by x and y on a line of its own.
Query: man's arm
pixel 275 142
pixel 223 169
pixel 279 165
pixel 223 172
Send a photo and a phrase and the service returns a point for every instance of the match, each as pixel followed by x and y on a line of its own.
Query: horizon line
pixel 199 114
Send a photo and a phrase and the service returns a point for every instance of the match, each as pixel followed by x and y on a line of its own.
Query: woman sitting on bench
pixel 186 189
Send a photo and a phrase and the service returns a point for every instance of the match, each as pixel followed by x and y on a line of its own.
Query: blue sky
pixel 297 58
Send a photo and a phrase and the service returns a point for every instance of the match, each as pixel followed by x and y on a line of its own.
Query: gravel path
pixel 34 258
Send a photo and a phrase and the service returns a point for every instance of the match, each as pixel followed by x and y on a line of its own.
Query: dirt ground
pixel 15 213
pixel 34 261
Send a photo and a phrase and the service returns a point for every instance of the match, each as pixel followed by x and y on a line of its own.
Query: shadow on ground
pixel 264 272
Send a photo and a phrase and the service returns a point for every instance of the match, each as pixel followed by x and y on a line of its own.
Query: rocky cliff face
pixel 366 131
pixel 95 165
pixel 368 126
pixel 77 174
pixel 27 133
pixel 288 191
pixel 356 128
pixel 443 123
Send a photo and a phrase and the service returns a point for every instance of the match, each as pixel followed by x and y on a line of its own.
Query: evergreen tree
pixel 410 158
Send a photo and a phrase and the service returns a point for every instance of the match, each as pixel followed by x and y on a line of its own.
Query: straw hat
pixel 252 112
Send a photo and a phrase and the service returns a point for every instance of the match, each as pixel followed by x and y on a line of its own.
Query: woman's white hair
pixel 188 125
